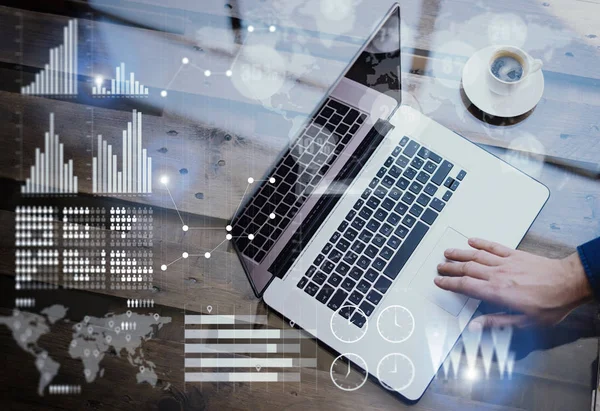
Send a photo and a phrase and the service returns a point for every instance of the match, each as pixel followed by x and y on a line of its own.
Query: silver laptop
pixel 344 235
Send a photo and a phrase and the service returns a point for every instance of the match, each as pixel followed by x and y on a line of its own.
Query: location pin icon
pixel 128 313
pixel 156 316
pixel 128 337
pixel 209 308
pixel 292 324
pixel 142 368
pixel 258 367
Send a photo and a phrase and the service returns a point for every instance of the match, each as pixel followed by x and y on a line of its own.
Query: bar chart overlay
pixel 122 85
pixel 51 174
pixel 59 76
pixel 134 175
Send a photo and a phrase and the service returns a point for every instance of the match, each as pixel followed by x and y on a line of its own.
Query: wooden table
pixel 208 139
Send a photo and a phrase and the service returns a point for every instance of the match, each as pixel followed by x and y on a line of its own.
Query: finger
pixel 470 268
pixel 471 287
pixel 490 246
pixel 498 321
pixel 479 256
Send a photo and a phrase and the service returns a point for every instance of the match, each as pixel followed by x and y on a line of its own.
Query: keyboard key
pixel 395 171
pixel 430 167
pixel 417 163
pixel 346 311
pixel 380 214
pixel 371 275
pixel 334 280
pixel 311 289
pixel 336 236
pixel 348 284
pixel 395 193
pixel 327 267
pixel 461 175
pixel 358 204
pixel 416 210
pixel 389 161
pixel 367 308
pixel 365 236
pixel 351 215
pixel 355 297
pixel 409 221
pixel 408 198
pixel 388 181
pixel 371 251
pixel 429 216
pixel 402 183
pixel 386 253
pixel 374 297
pixel 415 187
pixel 335 256
pixel 449 181
pixel 396 151
pixel 366 213
pixel 394 242
pixel 342 129
pixel 363 262
pixel 423 200
pixel 349 258
pixel 342 245
pixel 373 203
pixel 351 116
pixel 337 106
pixel 302 282
pixel 378 240
pixel 437 204
pixel 386 229
pixel 447 196
pixel 401 208
pixel 336 119
pixel 393 219
pixel 350 234
pixel 358 223
pixel 311 271
pixel 401 231
pixel 382 284
pixel 424 153
pixel 363 286
pixel 319 260
pixel 410 173
pixel 356 273
pixel 422 177
pixel 320 278
pixel 405 251
pixel 324 294
pixel 326 112
pixel 402 161
pixel 358 247
pixel 378 264
pixel 411 149
pixel 381 172
pixel 387 204
pixel 380 192
pixel 442 172
pixel 403 141
pixel 366 194
pixel 454 185
pixel 374 182
pixel 430 189
pixel 358 319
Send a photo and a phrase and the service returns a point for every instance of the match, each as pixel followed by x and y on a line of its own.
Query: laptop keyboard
pixel 371 246
pixel 296 176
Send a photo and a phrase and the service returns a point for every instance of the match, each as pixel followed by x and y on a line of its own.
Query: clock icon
pixel 346 376
pixel 343 328
pixel 397 370
pixel 395 324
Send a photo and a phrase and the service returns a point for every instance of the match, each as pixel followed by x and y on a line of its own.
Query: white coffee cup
pixel 529 66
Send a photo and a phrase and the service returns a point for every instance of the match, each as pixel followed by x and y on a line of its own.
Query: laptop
pixel 344 234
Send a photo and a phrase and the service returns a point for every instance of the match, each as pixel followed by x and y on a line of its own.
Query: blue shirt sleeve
pixel 589 254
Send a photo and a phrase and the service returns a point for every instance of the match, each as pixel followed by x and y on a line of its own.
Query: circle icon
pixel 345 376
pixel 343 328
pixel 398 370
pixel 395 324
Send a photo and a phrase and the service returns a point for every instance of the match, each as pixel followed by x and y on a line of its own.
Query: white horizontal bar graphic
pixel 249 362
pixel 241 348
pixel 225 319
pixel 241 377
pixel 233 334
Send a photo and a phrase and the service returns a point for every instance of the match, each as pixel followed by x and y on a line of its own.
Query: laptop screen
pixel 378 66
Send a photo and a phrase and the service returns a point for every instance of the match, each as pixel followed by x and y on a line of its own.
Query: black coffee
pixel 507 68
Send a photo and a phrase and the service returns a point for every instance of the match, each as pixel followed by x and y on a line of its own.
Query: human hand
pixel 544 290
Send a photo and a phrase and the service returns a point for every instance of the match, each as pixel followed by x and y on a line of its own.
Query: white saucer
pixel 475 84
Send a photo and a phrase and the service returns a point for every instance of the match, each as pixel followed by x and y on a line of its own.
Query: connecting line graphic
pixel 207 73
pixel 228 237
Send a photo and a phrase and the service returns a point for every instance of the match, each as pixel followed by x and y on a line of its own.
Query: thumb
pixel 498 320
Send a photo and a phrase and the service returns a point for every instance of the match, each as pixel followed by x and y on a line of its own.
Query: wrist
pixel 581 286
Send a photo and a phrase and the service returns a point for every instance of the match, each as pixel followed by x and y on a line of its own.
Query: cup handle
pixel 536 64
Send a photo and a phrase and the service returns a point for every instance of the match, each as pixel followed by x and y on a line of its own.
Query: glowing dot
pixel 272 216
pixel 163 267
pixel 250 180
pixel 207 73
pixel 185 228
pixel 272 180
pixel 471 374
pixel 229 228
pixel 163 93
pixel 185 255
pixel 250 237
pixel 250 29
pixel 229 236
pixel 185 60
pixel 229 73
pixel 272 29
pixel 99 81
pixel 164 180
pixel 207 254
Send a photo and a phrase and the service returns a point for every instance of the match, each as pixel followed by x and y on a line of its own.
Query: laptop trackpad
pixel 423 281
